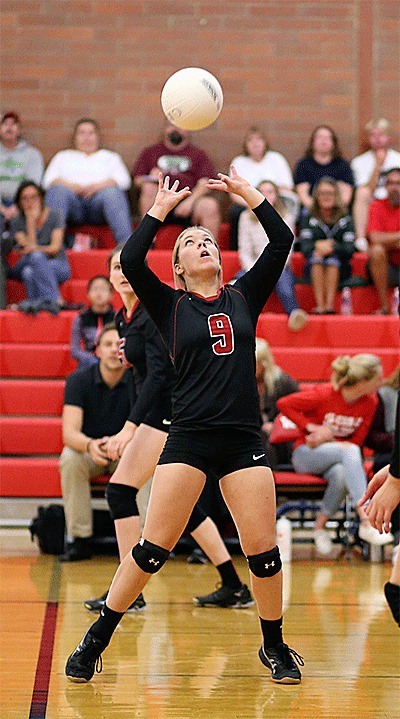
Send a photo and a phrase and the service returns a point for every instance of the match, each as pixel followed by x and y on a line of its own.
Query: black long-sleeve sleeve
pixel 259 282
pixel 395 463
pixel 156 296
pixel 157 363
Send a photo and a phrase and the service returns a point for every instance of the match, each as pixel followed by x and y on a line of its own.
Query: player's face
pixel 117 278
pixel 100 293
pixel 107 351
pixel 86 138
pixel 323 140
pixel 368 386
pixel 198 254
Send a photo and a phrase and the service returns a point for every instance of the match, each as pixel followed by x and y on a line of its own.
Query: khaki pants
pixel 77 470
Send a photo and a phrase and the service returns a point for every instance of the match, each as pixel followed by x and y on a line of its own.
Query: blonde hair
pixel 348 371
pixel 393 380
pixel 380 124
pixel 264 357
pixel 180 283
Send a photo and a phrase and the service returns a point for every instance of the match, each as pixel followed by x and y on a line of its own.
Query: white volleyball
pixel 192 98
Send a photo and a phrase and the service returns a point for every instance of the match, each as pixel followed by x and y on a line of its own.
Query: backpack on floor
pixel 49 528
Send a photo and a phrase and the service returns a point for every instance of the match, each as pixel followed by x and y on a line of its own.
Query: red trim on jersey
pixel 125 315
pixel 207 299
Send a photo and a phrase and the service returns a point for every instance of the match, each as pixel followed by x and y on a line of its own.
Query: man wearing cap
pixel 18 161
pixel 369 174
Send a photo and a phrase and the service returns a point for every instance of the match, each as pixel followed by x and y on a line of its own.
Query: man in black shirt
pixel 97 403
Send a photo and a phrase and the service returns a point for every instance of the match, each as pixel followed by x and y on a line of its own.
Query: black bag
pixel 49 528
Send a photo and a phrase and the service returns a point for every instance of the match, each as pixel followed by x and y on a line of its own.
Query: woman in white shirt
pixel 88 184
pixel 257 163
pixel 252 240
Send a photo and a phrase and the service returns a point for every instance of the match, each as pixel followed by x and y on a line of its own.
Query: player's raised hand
pixel 167 197
pixel 236 185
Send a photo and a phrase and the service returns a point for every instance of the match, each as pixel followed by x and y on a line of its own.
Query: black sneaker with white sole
pixel 280 660
pixel 85 659
pixel 227 597
pixel 96 605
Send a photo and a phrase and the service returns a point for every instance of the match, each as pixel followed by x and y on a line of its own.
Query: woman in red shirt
pixel 334 420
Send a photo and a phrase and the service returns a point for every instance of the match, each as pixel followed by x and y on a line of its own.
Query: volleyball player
pixel 383 491
pixel 210 334
pixel 141 440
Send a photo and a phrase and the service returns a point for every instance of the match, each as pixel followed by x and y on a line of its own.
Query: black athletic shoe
pixel 392 594
pixel 86 658
pixel 77 551
pixel 96 605
pixel 227 597
pixel 280 661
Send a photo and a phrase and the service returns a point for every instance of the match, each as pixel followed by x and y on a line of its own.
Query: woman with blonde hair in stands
pixel 334 420
pixel 272 383
pixel 252 240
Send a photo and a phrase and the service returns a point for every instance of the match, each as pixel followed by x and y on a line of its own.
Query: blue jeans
pixel 108 206
pixel 341 464
pixel 285 290
pixel 41 275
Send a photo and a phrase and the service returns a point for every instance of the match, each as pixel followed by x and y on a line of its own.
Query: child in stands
pixel 87 326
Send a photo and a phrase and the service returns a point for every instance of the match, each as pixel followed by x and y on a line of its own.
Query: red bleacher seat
pixel 31 397
pixel 285 480
pixel 29 477
pixel 35 360
pixel 30 435
pixel 16 327
pixel 101 233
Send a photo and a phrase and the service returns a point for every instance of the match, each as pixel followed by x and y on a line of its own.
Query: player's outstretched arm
pixel 167 197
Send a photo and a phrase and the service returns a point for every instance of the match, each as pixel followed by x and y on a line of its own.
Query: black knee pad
pixel 196 518
pixel 121 500
pixel 149 557
pixel 265 564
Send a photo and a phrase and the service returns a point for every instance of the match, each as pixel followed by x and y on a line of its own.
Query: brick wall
pixel 286 65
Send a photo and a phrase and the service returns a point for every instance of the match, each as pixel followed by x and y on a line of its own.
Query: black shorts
pixel 159 417
pixel 222 450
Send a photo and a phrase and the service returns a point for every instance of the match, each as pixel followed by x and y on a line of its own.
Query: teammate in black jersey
pixel 209 331
pixel 140 442
pixel 382 497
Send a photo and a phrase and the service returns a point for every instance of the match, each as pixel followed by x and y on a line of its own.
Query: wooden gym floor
pixel 177 661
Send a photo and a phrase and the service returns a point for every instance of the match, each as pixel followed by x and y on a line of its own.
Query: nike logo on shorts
pixel 258 456
pixel 166 421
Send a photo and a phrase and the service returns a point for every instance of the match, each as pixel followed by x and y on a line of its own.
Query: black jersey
pixel 142 348
pixel 211 341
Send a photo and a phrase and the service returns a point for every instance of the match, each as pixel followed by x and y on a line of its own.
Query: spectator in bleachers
pixel 19 161
pixel 272 383
pixel 323 158
pixel 334 420
pixel 327 242
pixel 369 170
pixel 257 163
pixel 38 232
pixel 88 184
pixel 97 403
pixel 176 156
pixel 88 325
pixel 252 240
pixel 384 240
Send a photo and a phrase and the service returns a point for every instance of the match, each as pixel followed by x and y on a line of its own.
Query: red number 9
pixel 220 326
